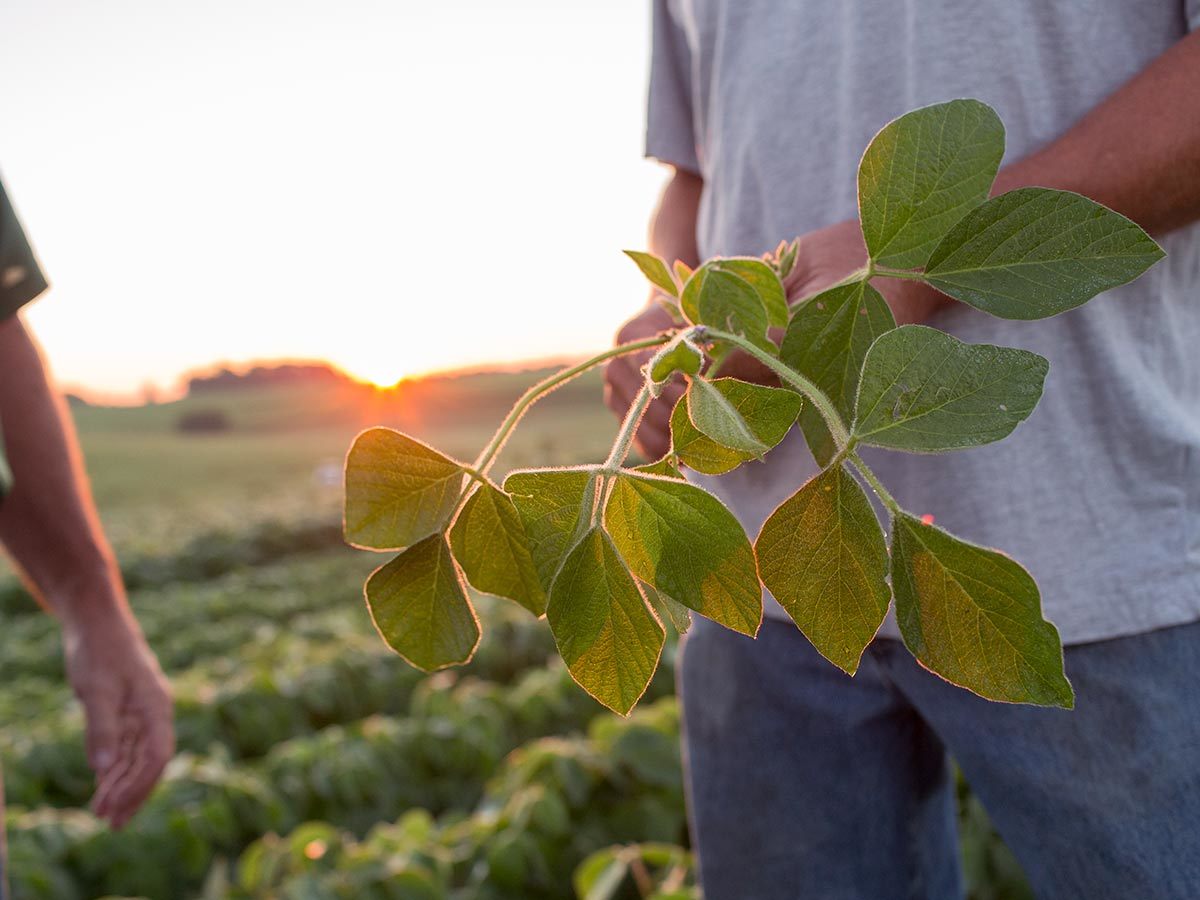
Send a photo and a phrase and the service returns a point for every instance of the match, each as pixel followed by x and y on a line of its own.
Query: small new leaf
pixel 680 355
pixel 974 617
pixel 746 417
pixel 1035 252
pixel 551 503
pixel 489 542
pixel 822 555
pixel 655 270
pixel 686 544
pixel 420 609
pixel 608 637
pixel 766 283
pixel 398 490
pixel 826 342
pixel 922 173
pixel 925 391
pixel 768 413
pixel 723 300
pixel 696 450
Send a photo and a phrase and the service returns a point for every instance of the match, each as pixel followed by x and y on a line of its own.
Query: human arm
pixel 672 237
pixel 1137 152
pixel 49 527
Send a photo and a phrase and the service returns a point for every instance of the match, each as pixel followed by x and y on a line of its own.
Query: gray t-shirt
pixel 773 102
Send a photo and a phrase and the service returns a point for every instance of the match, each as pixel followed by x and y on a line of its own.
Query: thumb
pixel 102 712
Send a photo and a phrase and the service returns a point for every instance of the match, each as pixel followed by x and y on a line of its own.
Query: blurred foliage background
pixel 313 763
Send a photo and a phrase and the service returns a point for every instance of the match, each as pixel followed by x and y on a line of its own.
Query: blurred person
pixel 802 782
pixel 49 527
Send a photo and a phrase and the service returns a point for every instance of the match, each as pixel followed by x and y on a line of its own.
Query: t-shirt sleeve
pixel 1192 11
pixel 670 127
pixel 21 278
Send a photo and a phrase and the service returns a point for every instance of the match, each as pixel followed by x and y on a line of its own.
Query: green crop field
pixel 313 763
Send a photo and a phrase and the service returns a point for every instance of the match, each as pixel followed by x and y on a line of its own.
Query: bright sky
pixel 396 187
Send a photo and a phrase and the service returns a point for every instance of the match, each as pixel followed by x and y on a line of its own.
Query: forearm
pixel 673 228
pixel 48 522
pixel 1138 152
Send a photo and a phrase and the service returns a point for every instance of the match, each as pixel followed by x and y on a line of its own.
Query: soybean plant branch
pixel 531 396
pixel 876 485
pixel 833 420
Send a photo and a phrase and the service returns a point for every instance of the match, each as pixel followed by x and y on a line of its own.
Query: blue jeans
pixel 805 784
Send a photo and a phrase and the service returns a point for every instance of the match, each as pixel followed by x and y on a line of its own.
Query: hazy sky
pixel 394 186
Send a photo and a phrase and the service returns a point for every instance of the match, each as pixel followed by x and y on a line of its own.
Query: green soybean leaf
pixel 767 412
pixel 551 503
pixel 418 604
pixel 822 555
pixel 489 542
pixel 398 490
pixel 682 271
pixel 680 615
pixel 974 617
pixel 925 391
pixel 749 418
pixel 1035 252
pixel 696 450
pixel 601 875
pixel 608 637
pixel 680 355
pixel 766 283
pixel 726 301
pixel 826 342
pixel 655 270
pixel 922 173
pixel 682 541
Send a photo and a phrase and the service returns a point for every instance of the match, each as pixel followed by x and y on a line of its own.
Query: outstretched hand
pixel 127 705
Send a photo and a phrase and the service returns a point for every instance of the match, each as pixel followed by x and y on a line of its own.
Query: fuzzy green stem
pixel 624 438
pixel 876 485
pixel 622 444
pixel 863 274
pixel 833 421
pixel 531 396
pixel 885 272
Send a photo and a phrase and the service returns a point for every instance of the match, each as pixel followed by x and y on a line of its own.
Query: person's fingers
pixel 148 746
pixel 102 714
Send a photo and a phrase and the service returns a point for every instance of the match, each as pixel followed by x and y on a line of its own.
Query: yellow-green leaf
pixel 420 608
pixel 490 544
pixel 686 544
pixel 679 615
pixel 655 270
pixel 398 490
pixel 680 355
pixel 822 555
pixel 974 617
pixel 698 451
pixel 606 634
pixel 551 503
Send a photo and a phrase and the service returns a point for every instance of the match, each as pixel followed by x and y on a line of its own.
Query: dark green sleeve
pixel 21 278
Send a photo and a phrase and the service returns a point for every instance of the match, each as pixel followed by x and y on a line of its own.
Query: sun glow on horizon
pixel 209 186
